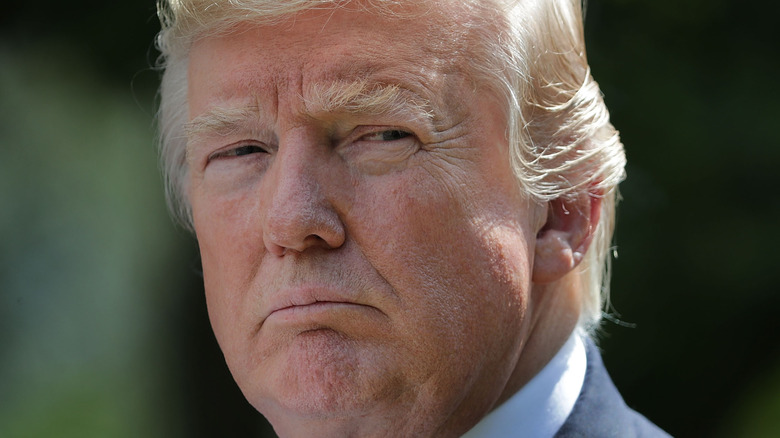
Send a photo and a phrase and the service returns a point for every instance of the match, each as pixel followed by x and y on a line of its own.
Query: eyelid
pixel 404 134
pixel 367 130
pixel 229 150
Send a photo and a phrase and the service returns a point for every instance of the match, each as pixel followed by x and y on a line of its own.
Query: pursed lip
pixel 300 299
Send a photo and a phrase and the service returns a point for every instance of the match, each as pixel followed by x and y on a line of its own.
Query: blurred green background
pixel 103 329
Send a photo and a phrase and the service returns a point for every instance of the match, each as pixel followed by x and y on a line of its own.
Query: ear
pixel 564 239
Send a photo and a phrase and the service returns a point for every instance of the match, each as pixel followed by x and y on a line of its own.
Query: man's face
pixel 366 250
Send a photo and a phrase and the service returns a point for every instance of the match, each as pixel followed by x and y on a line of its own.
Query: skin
pixel 369 273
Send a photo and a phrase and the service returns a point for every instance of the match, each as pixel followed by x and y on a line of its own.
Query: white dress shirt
pixel 540 407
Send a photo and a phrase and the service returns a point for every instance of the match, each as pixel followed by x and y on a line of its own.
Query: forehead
pixel 418 51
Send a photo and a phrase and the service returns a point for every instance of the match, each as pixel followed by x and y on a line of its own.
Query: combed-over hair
pixel 530 52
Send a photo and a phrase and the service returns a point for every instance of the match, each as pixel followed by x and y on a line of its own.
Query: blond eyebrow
pixel 364 98
pixel 221 121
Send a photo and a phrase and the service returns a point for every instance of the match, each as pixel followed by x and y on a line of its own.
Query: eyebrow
pixel 364 98
pixel 221 121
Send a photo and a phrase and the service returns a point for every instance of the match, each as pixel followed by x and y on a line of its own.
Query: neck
pixel 554 312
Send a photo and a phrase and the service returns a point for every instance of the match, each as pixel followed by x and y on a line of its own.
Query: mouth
pixel 310 307
pixel 311 310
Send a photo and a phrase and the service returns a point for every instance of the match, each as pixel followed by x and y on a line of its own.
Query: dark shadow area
pixel 211 399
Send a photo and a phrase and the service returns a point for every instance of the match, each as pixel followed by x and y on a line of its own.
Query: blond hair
pixel 531 52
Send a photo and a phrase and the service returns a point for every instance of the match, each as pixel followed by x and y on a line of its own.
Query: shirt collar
pixel 540 407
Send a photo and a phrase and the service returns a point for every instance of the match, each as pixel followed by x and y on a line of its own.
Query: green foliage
pixel 85 241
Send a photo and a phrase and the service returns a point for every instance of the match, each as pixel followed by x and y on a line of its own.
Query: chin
pixel 320 375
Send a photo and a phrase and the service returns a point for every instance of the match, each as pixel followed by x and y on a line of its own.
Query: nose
pixel 299 214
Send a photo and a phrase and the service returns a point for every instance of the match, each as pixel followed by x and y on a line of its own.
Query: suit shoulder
pixel 600 410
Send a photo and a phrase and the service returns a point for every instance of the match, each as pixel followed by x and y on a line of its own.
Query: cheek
pixel 458 265
pixel 228 231
pixel 229 248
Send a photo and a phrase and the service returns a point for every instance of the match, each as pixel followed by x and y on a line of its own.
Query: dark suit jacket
pixel 600 410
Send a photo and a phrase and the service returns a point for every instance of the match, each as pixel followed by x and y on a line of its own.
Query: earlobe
pixel 565 238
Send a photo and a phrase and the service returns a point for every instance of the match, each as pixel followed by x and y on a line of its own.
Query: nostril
pixel 321 241
pixel 275 249
pixel 280 249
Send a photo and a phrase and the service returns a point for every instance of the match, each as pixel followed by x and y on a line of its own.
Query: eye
pixel 246 150
pixel 239 151
pixel 386 135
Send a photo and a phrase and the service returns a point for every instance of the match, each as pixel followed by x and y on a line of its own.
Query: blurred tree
pixel 85 248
